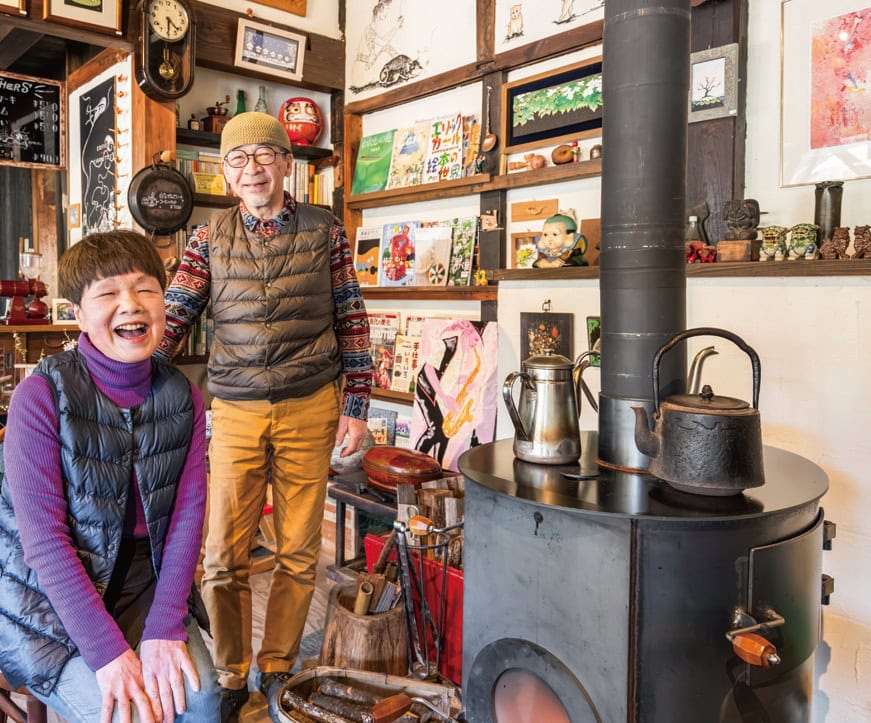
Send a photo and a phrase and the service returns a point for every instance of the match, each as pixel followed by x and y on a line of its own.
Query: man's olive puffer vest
pixel 101 447
pixel 273 309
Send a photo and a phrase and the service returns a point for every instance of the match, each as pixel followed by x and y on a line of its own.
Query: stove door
pixel 516 681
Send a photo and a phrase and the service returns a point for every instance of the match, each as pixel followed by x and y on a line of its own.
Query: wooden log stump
pixel 363 642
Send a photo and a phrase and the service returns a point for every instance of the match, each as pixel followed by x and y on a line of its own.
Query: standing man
pixel 290 372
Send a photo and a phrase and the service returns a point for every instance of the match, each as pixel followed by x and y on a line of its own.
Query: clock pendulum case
pixel 166 50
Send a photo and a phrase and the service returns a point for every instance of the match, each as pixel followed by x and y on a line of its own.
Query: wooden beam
pixel 323 67
pixel 15 44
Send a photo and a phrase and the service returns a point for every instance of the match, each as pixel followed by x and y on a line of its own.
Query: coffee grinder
pixel 21 313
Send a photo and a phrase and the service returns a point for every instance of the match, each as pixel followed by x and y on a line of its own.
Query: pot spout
pixel 645 439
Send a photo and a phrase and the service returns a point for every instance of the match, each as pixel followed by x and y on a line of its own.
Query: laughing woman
pixel 101 507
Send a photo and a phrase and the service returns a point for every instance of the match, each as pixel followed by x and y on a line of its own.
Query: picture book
pixel 373 163
pixel 456 392
pixel 471 143
pixel 383 328
pixel 465 238
pixel 405 360
pixel 409 152
pixel 432 253
pixel 444 159
pixel 368 245
pixel 403 431
pixel 396 265
pixel 382 423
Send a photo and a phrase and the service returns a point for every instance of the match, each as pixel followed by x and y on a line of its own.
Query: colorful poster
pixel 456 395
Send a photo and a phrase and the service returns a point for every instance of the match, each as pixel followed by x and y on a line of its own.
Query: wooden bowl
pixel 388 466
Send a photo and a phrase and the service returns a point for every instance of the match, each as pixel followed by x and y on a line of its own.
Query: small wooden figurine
pixel 836 246
pixel 742 218
pixel 560 244
pixel 862 242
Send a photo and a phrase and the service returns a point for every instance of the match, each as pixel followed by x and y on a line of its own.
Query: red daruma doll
pixel 302 120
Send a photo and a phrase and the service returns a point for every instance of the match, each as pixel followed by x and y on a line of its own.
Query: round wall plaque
pixel 160 199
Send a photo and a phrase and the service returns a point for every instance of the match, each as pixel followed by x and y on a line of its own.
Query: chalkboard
pixel 32 121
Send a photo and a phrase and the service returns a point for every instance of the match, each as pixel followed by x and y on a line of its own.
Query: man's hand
pixel 356 431
pixel 163 662
pixel 120 682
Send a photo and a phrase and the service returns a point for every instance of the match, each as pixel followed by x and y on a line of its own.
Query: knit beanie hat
pixel 253 128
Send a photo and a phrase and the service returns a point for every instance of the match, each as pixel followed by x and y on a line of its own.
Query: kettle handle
pixel 707 331
pixel 508 397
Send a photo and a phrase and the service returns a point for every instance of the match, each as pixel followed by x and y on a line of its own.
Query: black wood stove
pixel 597 592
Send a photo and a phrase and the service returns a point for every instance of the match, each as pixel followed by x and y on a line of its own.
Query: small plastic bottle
pixel 692 229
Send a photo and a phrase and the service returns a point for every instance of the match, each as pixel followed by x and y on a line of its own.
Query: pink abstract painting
pixel 840 70
pixel 456 394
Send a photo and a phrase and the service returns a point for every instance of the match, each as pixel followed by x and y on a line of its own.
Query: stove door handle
pixel 754 649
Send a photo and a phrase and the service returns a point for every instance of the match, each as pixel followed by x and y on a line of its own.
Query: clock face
pixel 168 19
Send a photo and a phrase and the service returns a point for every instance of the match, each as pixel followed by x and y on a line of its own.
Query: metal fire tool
pixel 412 582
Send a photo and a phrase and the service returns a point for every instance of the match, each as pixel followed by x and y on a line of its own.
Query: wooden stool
pixel 36 711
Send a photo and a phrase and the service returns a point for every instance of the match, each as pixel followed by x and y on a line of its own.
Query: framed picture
pixel 540 332
pixel 269 50
pixel 62 312
pixel 523 249
pixel 74 216
pixel 13 7
pixel 825 109
pixel 594 336
pixel 552 107
pixel 103 16
pixel 297 7
pixel 713 83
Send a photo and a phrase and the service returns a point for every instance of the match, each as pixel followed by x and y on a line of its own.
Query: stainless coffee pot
pixel 546 416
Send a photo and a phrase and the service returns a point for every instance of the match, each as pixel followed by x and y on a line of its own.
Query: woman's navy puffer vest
pixel 101 447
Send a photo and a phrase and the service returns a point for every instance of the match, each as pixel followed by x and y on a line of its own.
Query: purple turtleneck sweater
pixel 33 471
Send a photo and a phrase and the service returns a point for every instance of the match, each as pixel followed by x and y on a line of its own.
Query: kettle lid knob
pixel 707 394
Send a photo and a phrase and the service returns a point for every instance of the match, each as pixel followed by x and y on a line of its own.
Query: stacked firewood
pixel 339 701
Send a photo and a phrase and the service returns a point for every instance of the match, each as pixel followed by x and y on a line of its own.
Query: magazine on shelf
pixel 432 253
pixel 412 324
pixel 383 328
pixel 368 244
pixel 444 159
pixel 382 424
pixel 465 238
pixel 403 431
pixel 409 153
pixel 405 358
pixel 396 264
pixel 373 163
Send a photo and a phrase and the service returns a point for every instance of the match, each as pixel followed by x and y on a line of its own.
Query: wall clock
pixel 165 54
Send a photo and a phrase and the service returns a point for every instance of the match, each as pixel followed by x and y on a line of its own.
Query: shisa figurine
pixel 862 242
pixel 742 218
pixel 803 241
pixel 773 243
pixel 836 246
pixel 560 244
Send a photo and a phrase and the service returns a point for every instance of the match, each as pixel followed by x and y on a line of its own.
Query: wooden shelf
pixel 476 184
pixel 735 269
pixel 213 200
pixel 188 137
pixel 430 293
pixel 36 328
pixel 388 395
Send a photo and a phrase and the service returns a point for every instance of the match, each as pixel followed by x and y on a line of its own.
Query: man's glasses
pixel 262 157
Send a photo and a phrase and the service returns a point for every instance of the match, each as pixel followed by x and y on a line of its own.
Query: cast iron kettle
pixel 702 443
pixel 546 416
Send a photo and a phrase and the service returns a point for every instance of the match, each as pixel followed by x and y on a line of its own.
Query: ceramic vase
pixel 827 208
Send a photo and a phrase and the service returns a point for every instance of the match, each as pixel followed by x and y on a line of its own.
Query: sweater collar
pixel 111 374
pixel 272 226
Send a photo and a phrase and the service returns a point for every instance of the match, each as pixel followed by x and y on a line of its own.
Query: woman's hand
pixel 120 683
pixel 163 662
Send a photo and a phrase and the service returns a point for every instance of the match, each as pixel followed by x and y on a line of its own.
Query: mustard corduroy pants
pixel 294 439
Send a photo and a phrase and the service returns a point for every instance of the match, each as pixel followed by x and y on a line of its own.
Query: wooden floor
pixel 255 710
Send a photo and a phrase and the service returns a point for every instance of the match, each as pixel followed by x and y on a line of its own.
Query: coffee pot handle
pixel 508 396
pixel 707 331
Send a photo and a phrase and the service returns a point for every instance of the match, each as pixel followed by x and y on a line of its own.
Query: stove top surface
pixel 791 481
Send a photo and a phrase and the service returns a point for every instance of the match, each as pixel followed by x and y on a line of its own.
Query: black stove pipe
pixel 645 74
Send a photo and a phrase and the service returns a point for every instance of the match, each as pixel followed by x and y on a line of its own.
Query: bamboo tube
pixel 364 596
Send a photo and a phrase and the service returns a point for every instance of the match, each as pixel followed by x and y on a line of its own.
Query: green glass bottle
pixel 240 101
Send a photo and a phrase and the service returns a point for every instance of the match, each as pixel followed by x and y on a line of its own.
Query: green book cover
pixel 373 163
